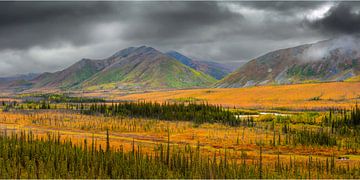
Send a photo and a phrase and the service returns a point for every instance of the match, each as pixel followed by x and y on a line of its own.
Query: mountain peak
pixel 146 49
pixel 123 52
pixel 133 50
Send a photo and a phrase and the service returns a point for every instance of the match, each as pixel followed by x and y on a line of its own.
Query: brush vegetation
pixel 177 140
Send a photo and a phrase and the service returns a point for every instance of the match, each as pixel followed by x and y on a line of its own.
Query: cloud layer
pixel 343 18
pixel 49 36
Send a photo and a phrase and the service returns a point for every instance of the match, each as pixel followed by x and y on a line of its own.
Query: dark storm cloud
pixel 27 24
pixel 178 19
pixel 284 7
pixel 49 36
pixel 343 18
pixel 18 13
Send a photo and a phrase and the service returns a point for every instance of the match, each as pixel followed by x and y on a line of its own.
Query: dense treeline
pixel 338 118
pixel 60 98
pixel 24 156
pixel 337 126
pixel 285 135
pixel 198 113
pixel 309 137
pixel 7 105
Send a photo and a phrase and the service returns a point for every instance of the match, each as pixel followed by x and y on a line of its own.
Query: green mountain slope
pixel 71 76
pixel 134 67
pixel 147 68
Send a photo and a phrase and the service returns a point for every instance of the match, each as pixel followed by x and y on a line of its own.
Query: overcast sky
pixel 49 36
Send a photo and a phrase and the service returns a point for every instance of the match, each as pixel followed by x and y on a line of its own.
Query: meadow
pixel 317 96
pixel 80 138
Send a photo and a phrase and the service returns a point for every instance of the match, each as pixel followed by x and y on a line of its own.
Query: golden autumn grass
pixel 317 96
pixel 212 138
pixel 147 133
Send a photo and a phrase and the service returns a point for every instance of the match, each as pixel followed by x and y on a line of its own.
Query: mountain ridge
pixel 336 59
pixel 216 70
pixel 133 67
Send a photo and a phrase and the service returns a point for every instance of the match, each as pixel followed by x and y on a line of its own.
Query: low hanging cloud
pixel 345 44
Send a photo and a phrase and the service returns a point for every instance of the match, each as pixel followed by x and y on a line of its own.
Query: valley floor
pixel 240 143
pixel 287 144
pixel 319 96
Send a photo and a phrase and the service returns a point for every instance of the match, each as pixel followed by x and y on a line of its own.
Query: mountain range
pixel 132 68
pixel 336 59
pixel 145 68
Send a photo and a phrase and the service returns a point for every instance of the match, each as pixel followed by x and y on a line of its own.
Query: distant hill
pixel 331 60
pixel 25 77
pixel 18 82
pixel 72 76
pixel 132 68
pixel 216 70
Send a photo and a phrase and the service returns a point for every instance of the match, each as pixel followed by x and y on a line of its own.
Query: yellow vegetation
pixel 213 138
pixel 299 96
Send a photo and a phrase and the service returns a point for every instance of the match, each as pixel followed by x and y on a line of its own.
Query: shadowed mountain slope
pixel 216 70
